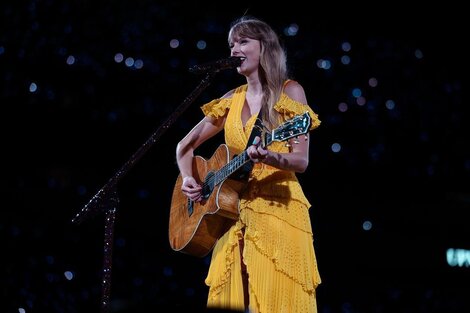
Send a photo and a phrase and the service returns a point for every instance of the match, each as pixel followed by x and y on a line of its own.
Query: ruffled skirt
pixel 279 257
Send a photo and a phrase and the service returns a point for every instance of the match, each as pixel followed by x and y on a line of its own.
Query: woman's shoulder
pixel 228 94
pixel 295 91
pixel 234 91
pixel 293 102
pixel 219 106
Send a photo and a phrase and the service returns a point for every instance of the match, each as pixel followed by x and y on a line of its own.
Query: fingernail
pixel 255 141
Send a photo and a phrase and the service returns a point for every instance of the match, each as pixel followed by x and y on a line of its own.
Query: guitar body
pixel 195 227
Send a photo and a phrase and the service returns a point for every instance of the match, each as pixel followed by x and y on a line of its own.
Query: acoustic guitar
pixel 195 227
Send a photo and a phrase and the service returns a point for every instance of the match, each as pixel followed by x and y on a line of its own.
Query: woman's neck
pixel 254 87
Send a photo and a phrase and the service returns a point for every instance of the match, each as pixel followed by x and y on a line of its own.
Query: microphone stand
pixel 106 199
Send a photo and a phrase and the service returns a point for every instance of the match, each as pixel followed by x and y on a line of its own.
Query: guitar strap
pixel 243 172
pixel 254 132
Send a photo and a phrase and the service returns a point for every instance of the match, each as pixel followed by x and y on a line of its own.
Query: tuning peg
pixel 288 145
pixel 296 140
pixel 305 137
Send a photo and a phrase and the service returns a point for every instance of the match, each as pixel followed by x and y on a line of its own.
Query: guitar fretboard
pixel 231 167
pixel 236 163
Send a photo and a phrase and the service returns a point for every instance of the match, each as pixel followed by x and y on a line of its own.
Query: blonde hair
pixel 273 63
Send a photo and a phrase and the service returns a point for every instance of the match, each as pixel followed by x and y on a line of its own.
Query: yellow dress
pixel 278 239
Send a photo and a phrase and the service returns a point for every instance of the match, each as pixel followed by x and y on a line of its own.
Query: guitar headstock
pixel 298 125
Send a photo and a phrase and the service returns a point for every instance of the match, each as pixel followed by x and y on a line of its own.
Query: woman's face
pixel 249 50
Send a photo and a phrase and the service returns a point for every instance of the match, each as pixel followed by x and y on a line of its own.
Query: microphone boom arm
pixel 106 199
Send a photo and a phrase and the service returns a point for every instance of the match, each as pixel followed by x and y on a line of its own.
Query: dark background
pixel 403 168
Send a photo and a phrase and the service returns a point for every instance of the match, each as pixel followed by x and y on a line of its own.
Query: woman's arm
pixel 205 129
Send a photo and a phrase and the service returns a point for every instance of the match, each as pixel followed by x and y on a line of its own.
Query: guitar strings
pixel 226 170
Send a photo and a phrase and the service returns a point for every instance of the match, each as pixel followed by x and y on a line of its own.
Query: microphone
pixel 216 66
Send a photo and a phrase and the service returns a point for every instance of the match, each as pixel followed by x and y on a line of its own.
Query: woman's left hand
pixel 256 152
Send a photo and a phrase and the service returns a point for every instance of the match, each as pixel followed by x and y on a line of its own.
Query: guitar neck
pixel 236 163
pixel 231 167
pixel 298 125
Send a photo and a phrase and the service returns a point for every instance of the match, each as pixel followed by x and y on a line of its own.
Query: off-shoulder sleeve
pixel 290 108
pixel 217 107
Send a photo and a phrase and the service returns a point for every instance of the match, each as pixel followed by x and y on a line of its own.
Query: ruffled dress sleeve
pixel 290 108
pixel 217 107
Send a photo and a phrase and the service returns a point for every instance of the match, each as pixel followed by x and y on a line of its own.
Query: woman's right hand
pixel 191 189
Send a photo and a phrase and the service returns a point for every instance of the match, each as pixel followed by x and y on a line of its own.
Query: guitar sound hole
pixel 190 207
pixel 208 185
